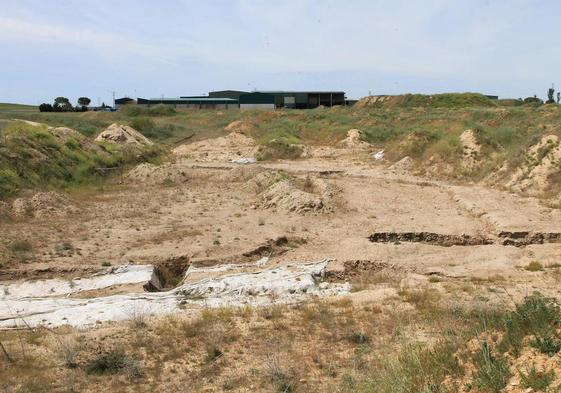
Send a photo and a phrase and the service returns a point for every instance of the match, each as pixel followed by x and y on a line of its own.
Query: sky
pixel 142 48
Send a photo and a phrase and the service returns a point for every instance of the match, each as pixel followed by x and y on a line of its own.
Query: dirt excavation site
pixel 341 269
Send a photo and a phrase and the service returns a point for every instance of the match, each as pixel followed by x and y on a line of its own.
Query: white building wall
pixel 257 106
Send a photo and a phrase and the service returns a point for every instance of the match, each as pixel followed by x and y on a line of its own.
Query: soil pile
pixel 225 149
pixel 157 174
pixel 311 196
pixel 240 127
pixel 122 134
pixel 243 173
pixel 353 140
pixel 44 204
pixel 403 165
pixel 541 163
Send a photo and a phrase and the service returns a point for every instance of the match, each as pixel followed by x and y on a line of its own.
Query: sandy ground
pixel 213 212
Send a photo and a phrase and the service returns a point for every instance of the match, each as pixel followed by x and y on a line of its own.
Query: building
pixel 306 99
pixel 284 99
pixel 192 102
pixel 229 99
pixel 257 101
pixel 119 102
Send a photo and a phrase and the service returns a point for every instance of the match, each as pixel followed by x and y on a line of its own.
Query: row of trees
pixel 62 104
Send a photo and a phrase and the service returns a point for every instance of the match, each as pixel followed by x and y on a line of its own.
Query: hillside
pixel 33 155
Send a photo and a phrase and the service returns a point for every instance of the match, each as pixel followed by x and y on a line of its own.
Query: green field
pixel 17 107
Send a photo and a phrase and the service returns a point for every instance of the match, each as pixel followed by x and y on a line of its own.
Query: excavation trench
pixel 504 238
pixel 428 238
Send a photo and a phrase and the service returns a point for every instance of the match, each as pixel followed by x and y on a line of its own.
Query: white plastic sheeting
pixel 129 274
pixel 39 306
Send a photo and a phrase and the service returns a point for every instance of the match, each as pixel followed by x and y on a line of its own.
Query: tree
pixel 44 107
pixel 84 101
pixel 550 95
pixel 62 104
pixel 558 97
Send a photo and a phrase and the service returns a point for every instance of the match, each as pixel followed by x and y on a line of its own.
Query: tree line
pixel 63 104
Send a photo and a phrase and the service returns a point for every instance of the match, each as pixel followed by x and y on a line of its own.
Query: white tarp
pixel 283 284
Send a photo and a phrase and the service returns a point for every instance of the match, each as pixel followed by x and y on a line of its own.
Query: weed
pixel 416 369
pixel 534 266
pixel 280 377
pixel 358 338
pixel 108 363
pixel 491 372
pixel 536 380
pixel 547 345
pixel 68 350
pixel 21 246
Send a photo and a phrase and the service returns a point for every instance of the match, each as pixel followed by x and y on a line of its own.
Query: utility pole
pixel 113 98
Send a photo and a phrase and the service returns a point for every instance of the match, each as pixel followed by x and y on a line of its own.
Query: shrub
pixel 108 363
pixel 537 316
pixel 114 362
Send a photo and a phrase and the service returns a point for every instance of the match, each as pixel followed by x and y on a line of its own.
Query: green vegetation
pixel 534 266
pixel 492 371
pixel 539 381
pixel 17 107
pixel 31 156
pixel 113 362
pixel 409 126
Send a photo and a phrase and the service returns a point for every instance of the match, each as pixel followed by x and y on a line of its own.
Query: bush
pixel 44 107
pixel 537 316
pixel 277 149
pixel 114 362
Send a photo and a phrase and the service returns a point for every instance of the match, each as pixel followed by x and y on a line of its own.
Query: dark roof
pixel 124 100
pixel 298 92
pixel 194 99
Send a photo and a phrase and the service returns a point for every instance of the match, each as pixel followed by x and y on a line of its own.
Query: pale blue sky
pixel 180 47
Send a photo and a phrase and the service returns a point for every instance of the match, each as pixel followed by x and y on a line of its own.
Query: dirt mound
pixel 44 204
pixel 403 165
pixel 446 100
pixel 353 140
pixel 242 173
pixel 65 133
pixel 122 134
pixel 471 149
pixel 310 196
pixel 227 148
pixel 541 163
pixel 240 127
pixel 157 174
